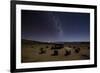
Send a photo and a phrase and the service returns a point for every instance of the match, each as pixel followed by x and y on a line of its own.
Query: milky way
pixel 57 24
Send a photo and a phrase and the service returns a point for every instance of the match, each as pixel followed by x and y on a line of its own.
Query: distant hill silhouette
pixel 40 42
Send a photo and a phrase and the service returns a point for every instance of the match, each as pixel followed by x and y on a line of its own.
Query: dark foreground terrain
pixel 33 51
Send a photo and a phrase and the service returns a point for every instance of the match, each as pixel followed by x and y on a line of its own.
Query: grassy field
pixel 33 51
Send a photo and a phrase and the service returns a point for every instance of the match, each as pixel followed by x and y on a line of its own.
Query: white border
pixel 20 65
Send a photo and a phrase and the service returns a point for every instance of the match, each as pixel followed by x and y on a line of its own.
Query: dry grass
pixel 30 52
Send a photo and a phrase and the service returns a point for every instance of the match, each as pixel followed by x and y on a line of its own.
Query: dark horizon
pixel 52 41
pixel 51 26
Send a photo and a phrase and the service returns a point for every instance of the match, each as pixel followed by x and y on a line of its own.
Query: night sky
pixel 52 26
